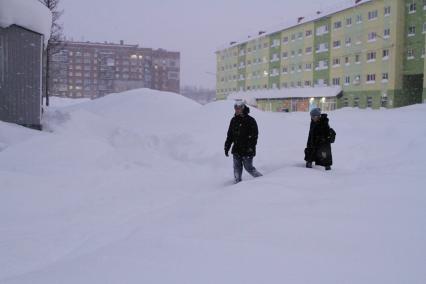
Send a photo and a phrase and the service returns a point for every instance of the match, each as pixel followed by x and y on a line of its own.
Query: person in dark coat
pixel 318 148
pixel 242 135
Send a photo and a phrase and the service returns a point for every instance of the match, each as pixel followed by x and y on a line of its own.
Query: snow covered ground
pixel 135 188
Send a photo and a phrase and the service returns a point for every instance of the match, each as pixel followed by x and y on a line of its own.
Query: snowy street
pixel 135 188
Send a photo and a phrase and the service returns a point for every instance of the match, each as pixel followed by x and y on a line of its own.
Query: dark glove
pixel 227 152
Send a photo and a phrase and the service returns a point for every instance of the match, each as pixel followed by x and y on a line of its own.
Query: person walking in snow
pixel 318 148
pixel 242 134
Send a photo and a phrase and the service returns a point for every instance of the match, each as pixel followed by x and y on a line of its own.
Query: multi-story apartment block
pixel 85 69
pixel 374 50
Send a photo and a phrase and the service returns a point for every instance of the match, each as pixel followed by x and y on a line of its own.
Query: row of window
pixel 321 47
pixel 337 25
pixel 412 6
pixel 371 15
pixel 356 102
pixel 95 55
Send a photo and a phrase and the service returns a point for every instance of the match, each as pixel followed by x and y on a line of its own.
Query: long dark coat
pixel 318 147
pixel 242 135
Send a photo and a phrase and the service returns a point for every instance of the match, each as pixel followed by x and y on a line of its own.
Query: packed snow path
pixel 135 188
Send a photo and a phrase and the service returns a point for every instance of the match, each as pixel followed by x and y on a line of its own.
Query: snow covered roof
pixel 311 92
pixel 303 19
pixel 29 14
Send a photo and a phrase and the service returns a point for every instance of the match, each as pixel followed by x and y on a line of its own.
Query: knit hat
pixel 316 112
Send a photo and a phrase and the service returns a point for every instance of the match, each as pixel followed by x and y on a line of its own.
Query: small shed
pixel 24 31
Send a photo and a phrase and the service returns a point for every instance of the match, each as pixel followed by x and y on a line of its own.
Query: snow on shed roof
pixel 29 14
pixel 310 92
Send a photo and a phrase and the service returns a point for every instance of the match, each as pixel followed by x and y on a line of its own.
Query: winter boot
pixel 309 165
pixel 327 168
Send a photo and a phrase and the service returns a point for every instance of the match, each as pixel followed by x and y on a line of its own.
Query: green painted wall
pixel 417 42
pixel 350 97
pixel 325 38
pixel 277 64
pixel 242 71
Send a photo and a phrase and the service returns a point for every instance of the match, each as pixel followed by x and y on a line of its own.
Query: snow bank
pixel 29 14
pixel 135 188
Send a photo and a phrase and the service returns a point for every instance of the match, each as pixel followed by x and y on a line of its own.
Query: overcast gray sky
pixel 196 28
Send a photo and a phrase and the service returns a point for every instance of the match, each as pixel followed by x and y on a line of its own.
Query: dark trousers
pixel 247 162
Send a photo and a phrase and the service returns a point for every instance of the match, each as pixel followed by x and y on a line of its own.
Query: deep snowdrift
pixel 135 188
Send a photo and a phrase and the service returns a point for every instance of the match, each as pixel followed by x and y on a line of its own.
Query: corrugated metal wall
pixel 20 76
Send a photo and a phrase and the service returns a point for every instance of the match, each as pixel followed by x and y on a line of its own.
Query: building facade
pixel 374 50
pixel 21 59
pixel 91 70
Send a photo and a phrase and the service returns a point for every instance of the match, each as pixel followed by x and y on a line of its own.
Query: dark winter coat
pixel 242 133
pixel 318 148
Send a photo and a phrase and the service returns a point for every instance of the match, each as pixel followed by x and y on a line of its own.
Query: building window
pixel 336 62
pixel 308 33
pixel 307 83
pixel 336 81
pixel 372 15
pixel 385 77
pixel 322 47
pixel 348 41
pixel 371 78
pixel 349 22
pixel 387 11
pixel 347 80
pixel 385 54
pixel 412 7
pixel 369 101
pixel 337 25
pixel 275 42
pixel 322 30
pixel 372 36
pixel 300 35
pixel 410 53
pixel 347 60
pixel 371 56
pixel 308 50
pixel 285 40
pixel 384 101
pixel 359 19
pixel 357 79
pixel 356 102
pixel 345 102
pixel 336 44
pixel 308 67
pixel 411 30
pixel 386 33
pixel 285 55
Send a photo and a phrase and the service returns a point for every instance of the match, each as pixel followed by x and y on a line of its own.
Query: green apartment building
pixel 373 50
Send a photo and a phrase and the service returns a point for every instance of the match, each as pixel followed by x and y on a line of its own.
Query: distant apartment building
pixel 91 70
pixel 373 50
